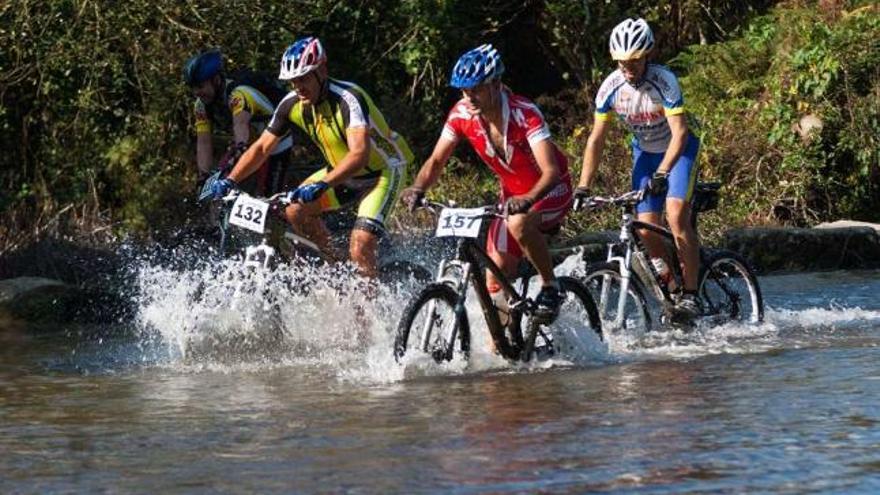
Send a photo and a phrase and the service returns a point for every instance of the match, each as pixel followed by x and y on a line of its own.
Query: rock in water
pixel 37 299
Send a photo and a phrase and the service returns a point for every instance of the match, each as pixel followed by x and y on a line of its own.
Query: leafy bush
pixel 754 93
pixel 93 112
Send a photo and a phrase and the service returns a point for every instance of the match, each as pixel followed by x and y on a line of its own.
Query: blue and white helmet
pixel 302 57
pixel 631 39
pixel 479 65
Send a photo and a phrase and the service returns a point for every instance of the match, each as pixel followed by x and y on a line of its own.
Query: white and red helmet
pixel 631 39
pixel 300 58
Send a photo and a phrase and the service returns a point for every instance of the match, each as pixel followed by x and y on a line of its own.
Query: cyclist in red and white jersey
pixel 509 133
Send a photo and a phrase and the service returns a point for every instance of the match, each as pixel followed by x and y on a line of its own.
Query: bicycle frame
pixel 465 268
pixel 262 255
pixel 633 247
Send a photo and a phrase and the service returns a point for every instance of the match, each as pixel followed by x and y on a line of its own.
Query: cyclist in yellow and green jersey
pixel 365 157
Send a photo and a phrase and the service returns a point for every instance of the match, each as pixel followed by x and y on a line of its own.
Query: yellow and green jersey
pixel 241 98
pixel 345 106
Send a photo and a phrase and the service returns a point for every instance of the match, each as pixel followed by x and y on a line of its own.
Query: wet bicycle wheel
pixel 629 314
pixel 729 289
pixel 571 334
pixel 432 326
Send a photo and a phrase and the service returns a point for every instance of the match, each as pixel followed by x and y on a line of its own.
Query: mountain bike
pixel 267 239
pixel 435 322
pixel 727 286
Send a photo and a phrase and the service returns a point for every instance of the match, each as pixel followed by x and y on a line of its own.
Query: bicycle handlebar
pixel 492 211
pixel 627 199
pixel 277 198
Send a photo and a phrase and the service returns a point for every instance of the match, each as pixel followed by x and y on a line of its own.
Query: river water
pixel 194 398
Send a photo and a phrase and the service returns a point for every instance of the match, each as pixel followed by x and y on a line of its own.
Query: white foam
pixel 221 319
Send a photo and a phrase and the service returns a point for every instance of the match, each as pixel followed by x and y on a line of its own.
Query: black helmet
pixel 202 67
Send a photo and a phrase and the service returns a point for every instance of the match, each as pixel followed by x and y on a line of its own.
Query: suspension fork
pixel 459 283
pixel 624 263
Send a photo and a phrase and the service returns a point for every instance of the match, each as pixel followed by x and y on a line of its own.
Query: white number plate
pixel 460 222
pixel 249 213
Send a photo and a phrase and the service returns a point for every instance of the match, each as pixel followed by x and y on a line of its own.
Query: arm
pixel 204 153
pixel 678 126
pixel 593 152
pixel 357 158
pixel 433 166
pixel 251 160
pixel 241 127
pixel 546 159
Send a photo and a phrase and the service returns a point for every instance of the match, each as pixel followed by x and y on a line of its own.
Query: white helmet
pixel 631 39
pixel 302 57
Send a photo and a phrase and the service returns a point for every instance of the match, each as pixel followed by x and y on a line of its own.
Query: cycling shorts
pixel 375 194
pixel 553 208
pixel 682 177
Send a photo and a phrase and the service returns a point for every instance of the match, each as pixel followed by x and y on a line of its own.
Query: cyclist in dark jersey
pixel 365 157
pixel 232 106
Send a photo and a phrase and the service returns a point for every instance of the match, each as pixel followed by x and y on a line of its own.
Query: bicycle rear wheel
pixel 431 325
pixel 571 333
pixel 729 289
pixel 605 284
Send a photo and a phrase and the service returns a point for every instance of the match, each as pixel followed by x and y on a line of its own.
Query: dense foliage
pixel 95 120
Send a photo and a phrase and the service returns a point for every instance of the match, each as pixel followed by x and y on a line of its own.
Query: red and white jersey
pixel 523 127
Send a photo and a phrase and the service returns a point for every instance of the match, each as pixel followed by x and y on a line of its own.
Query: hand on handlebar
pixel 581 199
pixel 412 197
pixel 307 193
pixel 659 184
pixel 222 187
pixel 517 205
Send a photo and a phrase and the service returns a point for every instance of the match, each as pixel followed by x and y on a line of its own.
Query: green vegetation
pixel 96 123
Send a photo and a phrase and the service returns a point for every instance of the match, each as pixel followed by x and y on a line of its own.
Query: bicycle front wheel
pixel 570 335
pixel 618 312
pixel 729 289
pixel 432 324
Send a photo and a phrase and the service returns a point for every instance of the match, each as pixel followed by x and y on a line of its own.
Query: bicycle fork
pixel 625 264
pixel 446 275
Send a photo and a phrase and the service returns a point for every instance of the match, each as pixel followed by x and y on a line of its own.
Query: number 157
pixel 458 222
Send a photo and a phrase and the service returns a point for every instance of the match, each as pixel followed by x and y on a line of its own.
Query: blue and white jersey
pixel 643 107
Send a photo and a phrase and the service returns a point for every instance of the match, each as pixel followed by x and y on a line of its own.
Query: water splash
pixel 330 321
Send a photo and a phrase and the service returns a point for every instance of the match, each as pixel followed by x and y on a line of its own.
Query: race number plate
pixel 460 222
pixel 206 187
pixel 249 213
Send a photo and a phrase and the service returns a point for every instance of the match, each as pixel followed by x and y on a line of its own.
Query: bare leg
pixel 524 228
pixel 363 250
pixel 678 214
pixel 653 242
pixel 305 218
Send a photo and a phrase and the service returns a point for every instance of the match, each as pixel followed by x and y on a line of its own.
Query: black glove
pixel 581 197
pixel 517 205
pixel 412 197
pixel 659 184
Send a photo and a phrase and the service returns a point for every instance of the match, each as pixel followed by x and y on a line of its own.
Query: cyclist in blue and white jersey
pixel 648 99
